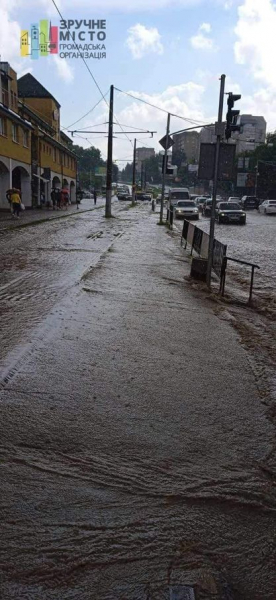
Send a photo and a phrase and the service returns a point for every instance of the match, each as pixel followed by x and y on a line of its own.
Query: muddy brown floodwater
pixel 137 449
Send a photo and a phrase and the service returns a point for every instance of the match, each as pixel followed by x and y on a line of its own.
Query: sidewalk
pixel 132 440
pixel 37 215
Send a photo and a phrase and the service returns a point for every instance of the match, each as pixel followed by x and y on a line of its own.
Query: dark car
pixel 230 212
pixel 249 202
pixel 143 196
pixel 124 196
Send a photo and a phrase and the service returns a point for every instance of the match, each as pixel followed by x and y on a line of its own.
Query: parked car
pixel 230 212
pixel 143 196
pixel 249 202
pixel 186 209
pixel 268 207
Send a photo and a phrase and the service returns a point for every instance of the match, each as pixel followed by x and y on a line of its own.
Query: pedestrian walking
pixel 42 199
pixel 54 198
pixel 95 196
pixel 8 197
pixel 58 197
pixel 16 202
pixel 66 199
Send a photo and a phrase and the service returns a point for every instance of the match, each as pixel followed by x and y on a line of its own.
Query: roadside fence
pixel 198 240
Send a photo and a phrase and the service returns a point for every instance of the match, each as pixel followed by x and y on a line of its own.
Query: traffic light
pixel 232 115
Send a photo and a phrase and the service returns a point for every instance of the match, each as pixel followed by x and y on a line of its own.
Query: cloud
pixel 142 41
pixel 200 41
pixel 65 71
pixel 10 31
pixel 114 5
pixel 255 31
pixel 10 39
pixel 186 99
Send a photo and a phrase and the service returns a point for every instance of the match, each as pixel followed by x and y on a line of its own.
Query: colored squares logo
pixel 42 40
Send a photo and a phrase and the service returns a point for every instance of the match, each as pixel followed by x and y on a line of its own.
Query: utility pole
pixel 109 156
pixel 256 179
pixel 134 174
pixel 165 168
pixel 219 133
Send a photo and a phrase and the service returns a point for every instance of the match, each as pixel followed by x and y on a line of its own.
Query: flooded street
pixel 256 243
pixel 137 450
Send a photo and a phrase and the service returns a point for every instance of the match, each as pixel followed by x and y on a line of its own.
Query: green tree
pixel 126 173
pixel 88 160
pixel 152 166
pixel 179 158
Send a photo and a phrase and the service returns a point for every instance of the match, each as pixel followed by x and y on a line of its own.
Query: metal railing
pixel 241 262
pixel 199 241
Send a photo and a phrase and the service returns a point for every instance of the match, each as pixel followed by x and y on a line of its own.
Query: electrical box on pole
pixel 169 170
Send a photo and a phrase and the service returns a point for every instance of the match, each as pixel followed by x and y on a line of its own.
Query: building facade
pixel 141 155
pixel 252 134
pixel 15 140
pixel 35 156
pixel 53 161
pixel 187 142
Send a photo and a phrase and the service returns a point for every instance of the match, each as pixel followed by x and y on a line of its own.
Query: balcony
pixel 5 98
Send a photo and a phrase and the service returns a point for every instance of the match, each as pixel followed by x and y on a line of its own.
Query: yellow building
pixel 53 161
pixel 15 140
pixel 35 155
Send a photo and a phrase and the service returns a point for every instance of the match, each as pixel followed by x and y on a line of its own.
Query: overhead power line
pixel 88 68
pixel 88 113
pixel 158 108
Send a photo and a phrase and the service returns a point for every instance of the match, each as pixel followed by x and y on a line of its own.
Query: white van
pixel 176 194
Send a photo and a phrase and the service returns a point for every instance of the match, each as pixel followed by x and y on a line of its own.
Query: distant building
pixel 187 142
pixel 143 154
pixel 207 135
pixel 252 134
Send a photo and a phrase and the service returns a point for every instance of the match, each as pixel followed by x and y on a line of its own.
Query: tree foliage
pixel 88 160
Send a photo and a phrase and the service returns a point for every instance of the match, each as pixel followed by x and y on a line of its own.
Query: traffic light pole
pixel 109 156
pixel 165 169
pixel 134 173
pixel 213 212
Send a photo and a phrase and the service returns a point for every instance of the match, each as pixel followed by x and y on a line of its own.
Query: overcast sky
pixel 168 52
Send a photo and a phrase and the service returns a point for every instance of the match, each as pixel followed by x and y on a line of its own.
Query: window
pixel 5 95
pixel 3 126
pixel 55 154
pixel 15 133
pixel 43 147
pixel 26 139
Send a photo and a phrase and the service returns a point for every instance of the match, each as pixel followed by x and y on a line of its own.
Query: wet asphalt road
pixel 40 264
pixel 135 447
